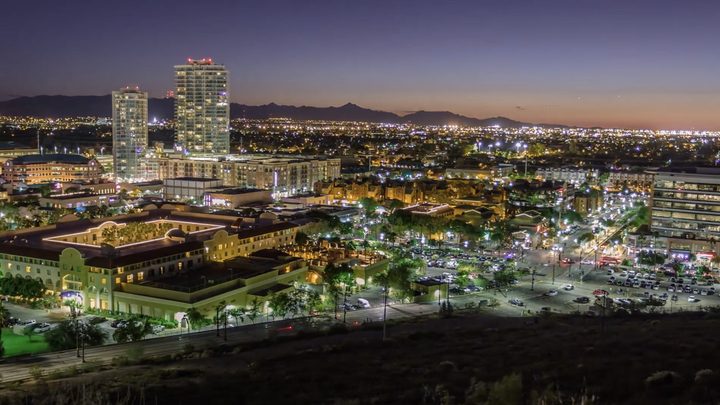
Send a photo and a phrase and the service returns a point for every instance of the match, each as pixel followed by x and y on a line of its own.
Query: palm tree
pixel 195 318
pixel 239 314
pixel 254 310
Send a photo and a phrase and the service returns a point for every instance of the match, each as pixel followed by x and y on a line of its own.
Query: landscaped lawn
pixel 17 344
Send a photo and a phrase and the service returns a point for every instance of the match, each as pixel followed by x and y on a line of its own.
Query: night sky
pixel 639 63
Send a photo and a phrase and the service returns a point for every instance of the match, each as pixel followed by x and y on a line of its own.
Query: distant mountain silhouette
pixel 162 108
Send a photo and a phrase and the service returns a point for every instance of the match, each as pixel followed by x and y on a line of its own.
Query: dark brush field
pixel 468 359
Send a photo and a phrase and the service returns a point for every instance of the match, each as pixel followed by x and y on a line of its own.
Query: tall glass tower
pixel 130 133
pixel 202 111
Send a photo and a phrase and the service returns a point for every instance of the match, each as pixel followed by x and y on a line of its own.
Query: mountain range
pixel 162 108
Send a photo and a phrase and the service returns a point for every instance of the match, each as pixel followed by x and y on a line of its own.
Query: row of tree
pixel 301 299
pixel 27 288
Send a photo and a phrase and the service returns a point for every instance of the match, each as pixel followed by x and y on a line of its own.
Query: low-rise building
pixel 75 200
pixel 51 168
pixel 431 210
pixel 282 175
pixel 189 188
pixel 498 171
pixel 236 197
pixel 98 259
pixel 639 180
pixel 573 175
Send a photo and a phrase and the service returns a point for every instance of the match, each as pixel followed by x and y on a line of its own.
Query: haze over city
pixel 640 64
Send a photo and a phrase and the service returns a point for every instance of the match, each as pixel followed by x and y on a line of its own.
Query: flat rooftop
pixel 235 191
pixel 198 179
pixel 39 242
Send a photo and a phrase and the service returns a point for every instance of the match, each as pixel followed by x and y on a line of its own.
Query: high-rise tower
pixel 130 133
pixel 202 112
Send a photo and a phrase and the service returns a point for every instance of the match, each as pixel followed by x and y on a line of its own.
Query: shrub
pixel 36 372
pixel 507 391
pixel 188 348
pixel 664 382
pixel 337 328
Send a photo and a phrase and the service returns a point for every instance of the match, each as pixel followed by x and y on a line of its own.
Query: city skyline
pixel 640 65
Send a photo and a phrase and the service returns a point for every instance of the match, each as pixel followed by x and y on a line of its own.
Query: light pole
pixel 385 299
pixel 532 280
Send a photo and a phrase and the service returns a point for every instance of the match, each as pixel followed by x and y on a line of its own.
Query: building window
pixel 103 281
pixel 130 278
pixel 27 269
pixel 117 280
pixel 140 275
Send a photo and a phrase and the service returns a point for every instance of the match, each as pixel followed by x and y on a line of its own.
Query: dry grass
pixel 471 359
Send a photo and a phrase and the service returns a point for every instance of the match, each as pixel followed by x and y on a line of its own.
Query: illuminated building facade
pixel 130 133
pixel 202 111
pixel 51 168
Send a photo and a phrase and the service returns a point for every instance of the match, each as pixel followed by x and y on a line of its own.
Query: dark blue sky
pixel 639 63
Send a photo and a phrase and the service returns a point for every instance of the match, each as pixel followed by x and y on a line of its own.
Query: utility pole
pixel 385 313
pixel 532 280
pixel 83 341
pixel 225 331
pixel 553 274
pixel 344 304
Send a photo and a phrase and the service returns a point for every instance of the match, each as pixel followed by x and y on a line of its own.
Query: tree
pixel 338 278
pixel 504 277
pixel 27 288
pixel 280 304
pixel 399 275
pixel 394 204
pixel 64 336
pixel 197 320
pixel 238 313
pixel 254 310
pixel 74 307
pixel 369 205
pixel 135 329
pixel 4 317
pixel 301 238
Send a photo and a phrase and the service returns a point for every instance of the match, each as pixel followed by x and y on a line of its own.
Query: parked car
pixel 118 323
pixel 551 293
pixel 363 302
pixel 568 287
pixel 516 302
pixel 582 300
pixel 157 329
pixel 41 327
pixel 692 299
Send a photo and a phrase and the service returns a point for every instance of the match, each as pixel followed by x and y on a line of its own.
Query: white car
pixel 363 302
pixel 692 299
pixel 568 287
pixel 551 293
